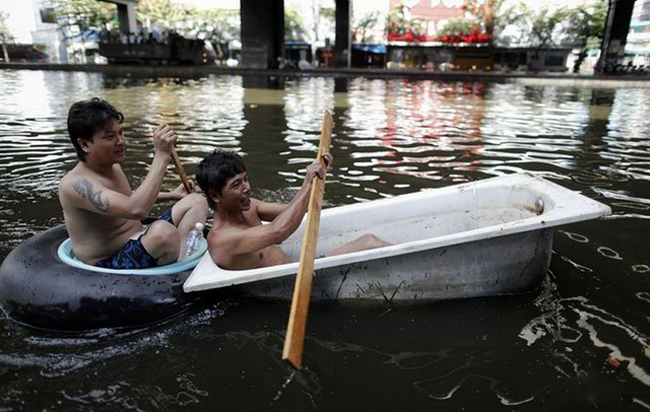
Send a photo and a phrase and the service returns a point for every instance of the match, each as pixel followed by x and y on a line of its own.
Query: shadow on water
pixel 579 341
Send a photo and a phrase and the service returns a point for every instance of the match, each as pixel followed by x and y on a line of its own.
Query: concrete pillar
pixel 343 39
pixel 617 27
pixel 262 33
pixel 126 16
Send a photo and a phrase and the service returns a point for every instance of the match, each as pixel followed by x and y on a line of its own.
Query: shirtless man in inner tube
pixel 102 213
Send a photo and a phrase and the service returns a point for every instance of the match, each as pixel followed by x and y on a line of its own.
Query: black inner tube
pixel 39 290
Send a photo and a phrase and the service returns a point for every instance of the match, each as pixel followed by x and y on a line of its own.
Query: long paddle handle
pixel 180 170
pixel 295 339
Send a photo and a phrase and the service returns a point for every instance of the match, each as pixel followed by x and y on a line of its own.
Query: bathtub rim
pixel 568 207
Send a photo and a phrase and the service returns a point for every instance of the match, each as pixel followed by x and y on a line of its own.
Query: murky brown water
pixel 545 350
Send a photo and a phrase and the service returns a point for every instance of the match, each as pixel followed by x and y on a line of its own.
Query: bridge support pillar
pixel 125 14
pixel 343 39
pixel 262 33
pixel 617 27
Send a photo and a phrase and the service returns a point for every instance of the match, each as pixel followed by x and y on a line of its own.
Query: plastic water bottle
pixel 193 242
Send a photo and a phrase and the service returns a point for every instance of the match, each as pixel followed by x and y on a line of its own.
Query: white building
pixel 638 39
pixel 33 22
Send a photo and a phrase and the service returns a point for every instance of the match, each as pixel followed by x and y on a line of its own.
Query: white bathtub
pixel 488 237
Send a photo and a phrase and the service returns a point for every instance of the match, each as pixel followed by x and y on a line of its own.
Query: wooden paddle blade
pixel 180 170
pixel 295 339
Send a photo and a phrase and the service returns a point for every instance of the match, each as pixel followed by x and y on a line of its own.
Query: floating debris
pixel 609 253
pixel 577 237
pixel 641 268
pixel 614 362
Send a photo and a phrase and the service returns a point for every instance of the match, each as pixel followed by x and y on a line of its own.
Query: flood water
pixel 578 342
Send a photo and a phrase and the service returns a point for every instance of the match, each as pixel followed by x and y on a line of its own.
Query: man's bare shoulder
pixel 79 186
pixel 70 180
pixel 224 231
pixel 221 232
pixel 80 171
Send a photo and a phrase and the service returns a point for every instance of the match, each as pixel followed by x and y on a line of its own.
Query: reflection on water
pixel 581 340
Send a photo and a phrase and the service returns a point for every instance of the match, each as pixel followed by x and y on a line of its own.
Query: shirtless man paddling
pixel 101 211
pixel 238 239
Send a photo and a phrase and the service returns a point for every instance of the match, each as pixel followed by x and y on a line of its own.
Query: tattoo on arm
pixel 85 190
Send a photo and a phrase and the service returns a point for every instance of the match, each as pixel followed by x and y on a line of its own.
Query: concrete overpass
pixel 262 30
pixel 617 26
pixel 126 14
pixel 262 33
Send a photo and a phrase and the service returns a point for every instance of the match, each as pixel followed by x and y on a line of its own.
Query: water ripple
pixel 390 137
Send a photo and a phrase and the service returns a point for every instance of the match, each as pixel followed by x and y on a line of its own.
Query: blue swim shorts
pixel 133 255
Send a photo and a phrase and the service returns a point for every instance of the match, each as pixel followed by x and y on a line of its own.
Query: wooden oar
pixel 177 161
pixel 180 170
pixel 293 343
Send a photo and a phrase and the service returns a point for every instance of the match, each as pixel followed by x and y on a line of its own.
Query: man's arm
pixel 176 194
pixel 237 241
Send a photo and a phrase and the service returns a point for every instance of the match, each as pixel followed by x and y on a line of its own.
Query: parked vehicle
pixel 176 50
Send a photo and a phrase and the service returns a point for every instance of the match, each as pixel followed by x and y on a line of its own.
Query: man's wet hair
pixel 86 117
pixel 215 169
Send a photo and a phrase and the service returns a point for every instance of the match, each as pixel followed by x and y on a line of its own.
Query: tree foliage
pixel 402 27
pixel 78 16
pixel 580 26
pixel 586 22
pixel 217 25
pixel 477 24
pixel 586 25
pixel 83 15
pixel 294 28
pixel 5 34
pixel 545 26
pixel 214 25
pixel 363 27
pixel 160 13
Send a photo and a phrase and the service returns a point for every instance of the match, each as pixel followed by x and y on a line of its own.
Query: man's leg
pixel 365 242
pixel 162 242
pixel 186 213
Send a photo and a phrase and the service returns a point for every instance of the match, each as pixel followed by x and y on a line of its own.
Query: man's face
pixel 108 144
pixel 236 194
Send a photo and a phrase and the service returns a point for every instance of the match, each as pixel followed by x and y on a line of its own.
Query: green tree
pixel 486 19
pixel 213 24
pixel 541 28
pixel 161 13
pixel 294 28
pixel 545 26
pixel 365 24
pixel 505 15
pixel 399 24
pixel 483 12
pixel 586 25
pixel 78 16
pixel 218 25
pixel 5 35
pixel 457 27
